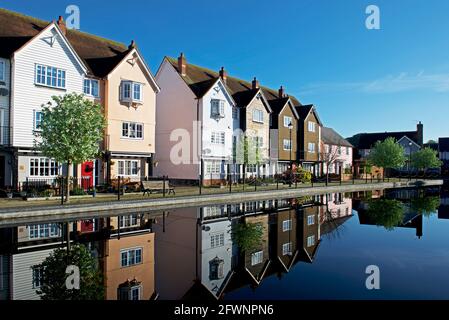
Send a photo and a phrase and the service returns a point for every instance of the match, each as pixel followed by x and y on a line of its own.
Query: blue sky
pixel 361 80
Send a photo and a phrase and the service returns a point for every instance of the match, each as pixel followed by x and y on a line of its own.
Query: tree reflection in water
pixel 386 213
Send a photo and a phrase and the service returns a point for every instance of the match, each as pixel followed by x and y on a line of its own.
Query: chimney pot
pixel 61 25
pixel 182 64
pixel 281 92
pixel 255 84
pixel 132 45
pixel 223 74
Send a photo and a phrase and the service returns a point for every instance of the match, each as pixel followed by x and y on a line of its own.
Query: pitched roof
pixel 200 79
pixel 368 140
pixel 99 54
pixel 331 137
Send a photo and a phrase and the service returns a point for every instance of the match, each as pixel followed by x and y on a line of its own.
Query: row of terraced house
pixel 147 116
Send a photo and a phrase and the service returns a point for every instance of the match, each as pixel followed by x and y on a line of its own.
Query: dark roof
pixel 443 144
pixel 331 137
pixel 99 54
pixel 303 111
pixel 200 80
pixel 368 140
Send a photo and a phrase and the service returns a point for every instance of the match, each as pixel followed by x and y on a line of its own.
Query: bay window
pixel 131 91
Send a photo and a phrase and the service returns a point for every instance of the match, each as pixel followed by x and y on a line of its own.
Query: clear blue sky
pixel 361 80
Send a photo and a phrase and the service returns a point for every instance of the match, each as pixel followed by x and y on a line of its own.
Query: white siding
pixel 176 108
pixel 22 274
pixel 210 125
pixel 26 95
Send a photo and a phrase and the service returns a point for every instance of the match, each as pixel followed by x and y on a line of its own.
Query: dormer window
pixel 217 108
pixel 131 92
pixel 91 88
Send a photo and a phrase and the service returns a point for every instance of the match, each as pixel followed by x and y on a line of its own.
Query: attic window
pixel 217 108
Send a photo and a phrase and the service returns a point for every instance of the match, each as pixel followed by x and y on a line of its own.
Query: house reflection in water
pixel 123 247
pixel 198 259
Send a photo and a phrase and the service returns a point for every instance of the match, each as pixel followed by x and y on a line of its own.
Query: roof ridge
pixel 173 59
pixel 40 21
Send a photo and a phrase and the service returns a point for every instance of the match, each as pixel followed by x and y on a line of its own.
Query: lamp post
pixel 410 160
pixel 290 128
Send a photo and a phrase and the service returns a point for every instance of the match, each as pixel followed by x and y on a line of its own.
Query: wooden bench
pixel 156 186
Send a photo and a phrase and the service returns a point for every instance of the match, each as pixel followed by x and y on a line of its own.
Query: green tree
pixel 248 236
pixel 387 154
pixel 425 158
pixel 425 205
pixel 70 131
pixel 385 212
pixel 54 275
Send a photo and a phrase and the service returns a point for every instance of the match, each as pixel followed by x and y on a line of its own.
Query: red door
pixel 87 175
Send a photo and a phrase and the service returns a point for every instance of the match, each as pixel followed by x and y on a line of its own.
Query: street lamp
pixel 409 158
pixel 290 128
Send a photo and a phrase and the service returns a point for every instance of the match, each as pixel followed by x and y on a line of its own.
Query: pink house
pixel 338 149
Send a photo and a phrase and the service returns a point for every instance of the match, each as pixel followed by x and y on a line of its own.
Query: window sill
pixel 127 138
pixel 260 122
pixel 50 87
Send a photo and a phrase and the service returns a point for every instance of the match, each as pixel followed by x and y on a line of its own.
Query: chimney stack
pixel 132 45
pixel 255 84
pixel 420 132
pixel 281 92
pixel 182 64
pixel 61 25
pixel 223 74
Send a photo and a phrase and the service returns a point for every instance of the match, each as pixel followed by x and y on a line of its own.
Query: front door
pixel 87 175
pixel 2 171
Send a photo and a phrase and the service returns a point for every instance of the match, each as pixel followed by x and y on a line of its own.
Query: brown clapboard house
pixel 309 138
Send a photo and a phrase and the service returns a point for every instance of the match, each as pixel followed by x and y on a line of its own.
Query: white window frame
pixel 287 144
pixel 128 252
pixel 38 231
pixel 2 70
pixel 312 126
pixel 217 108
pixel 218 137
pixel 287 249
pixel 53 167
pixel 256 258
pixel 286 225
pixel 90 87
pixel 213 167
pixel 347 151
pixel 132 127
pixel 217 240
pixel 258 116
pixel 310 241
pixel 310 220
pixel 128 221
pixel 36 127
pixel 125 168
pixel 311 147
pixel 37 276
pixel 55 73
pixel 131 92
pixel 288 120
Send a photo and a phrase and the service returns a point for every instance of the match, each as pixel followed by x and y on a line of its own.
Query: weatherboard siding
pixel 176 110
pixel 27 96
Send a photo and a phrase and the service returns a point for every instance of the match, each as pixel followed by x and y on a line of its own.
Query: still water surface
pixel 305 248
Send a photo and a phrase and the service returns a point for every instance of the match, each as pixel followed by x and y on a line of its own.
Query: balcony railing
pixel 5 136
